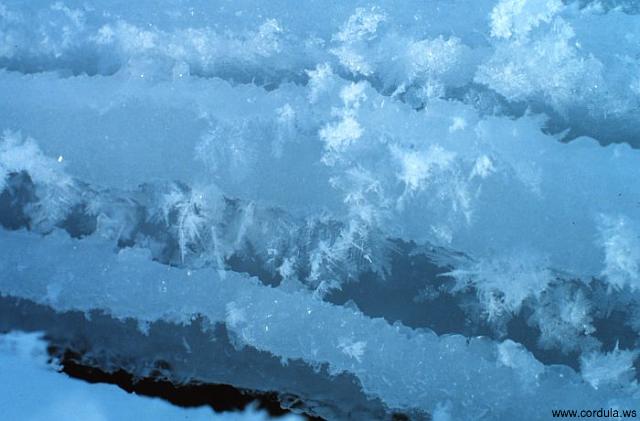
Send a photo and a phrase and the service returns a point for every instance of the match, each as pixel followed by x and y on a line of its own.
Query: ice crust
pixel 247 161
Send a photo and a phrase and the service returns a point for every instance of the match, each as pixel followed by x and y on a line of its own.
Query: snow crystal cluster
pixel 430 208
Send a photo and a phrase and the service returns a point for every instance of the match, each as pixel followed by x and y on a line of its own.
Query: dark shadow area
pixel 219 397
pixel 19 193
pixel 401 296
pixel 613 331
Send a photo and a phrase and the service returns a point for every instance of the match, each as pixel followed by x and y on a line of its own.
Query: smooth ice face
pixel 277 167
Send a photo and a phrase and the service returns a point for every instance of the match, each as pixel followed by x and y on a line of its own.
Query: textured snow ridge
pixel 436 200
pixel 448 370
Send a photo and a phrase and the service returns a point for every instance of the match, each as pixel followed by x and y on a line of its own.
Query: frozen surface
pixel 338 179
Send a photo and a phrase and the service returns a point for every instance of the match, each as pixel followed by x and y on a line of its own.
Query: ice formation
pixel 436 202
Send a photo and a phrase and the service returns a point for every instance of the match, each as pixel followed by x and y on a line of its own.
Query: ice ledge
pixel 462 374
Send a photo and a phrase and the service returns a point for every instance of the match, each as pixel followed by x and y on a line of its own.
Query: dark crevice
pixel 614 332
pixel 83 64
pixel 79 223
pixel 630 7
pixel 219 397
pixel 18 194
